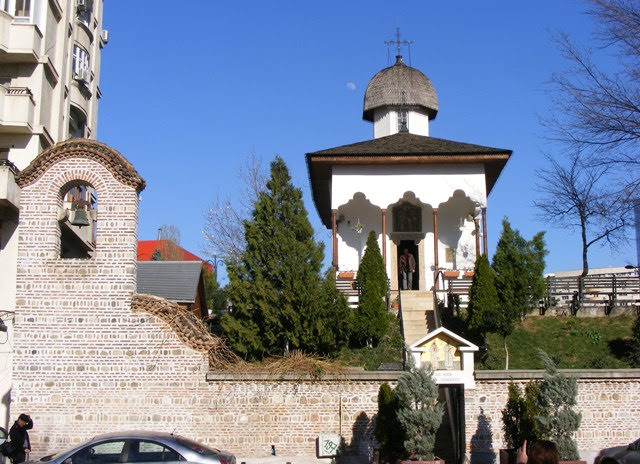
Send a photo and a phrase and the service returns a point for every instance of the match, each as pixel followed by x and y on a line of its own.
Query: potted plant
pixel 346 275
pixel 451 274
pixel 419 414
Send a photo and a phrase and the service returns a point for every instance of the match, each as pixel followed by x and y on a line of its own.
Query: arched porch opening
pixel 409 224
pixel 354 221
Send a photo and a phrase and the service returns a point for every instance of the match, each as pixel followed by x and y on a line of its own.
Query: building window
pixel 77 123
pixel 403 121
pixel 80 60
pixel 23 8
pixel 84 9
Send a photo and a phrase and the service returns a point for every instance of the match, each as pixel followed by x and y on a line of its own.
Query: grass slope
pixel 389 350
pixel 574 343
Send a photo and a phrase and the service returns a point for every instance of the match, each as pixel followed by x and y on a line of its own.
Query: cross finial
pixel 398 43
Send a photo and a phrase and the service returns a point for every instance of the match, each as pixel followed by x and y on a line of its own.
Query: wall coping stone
pixel 603 374
pixel 392 376
pixel 350 376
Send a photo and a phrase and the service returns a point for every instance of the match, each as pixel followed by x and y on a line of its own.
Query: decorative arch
pixel 77 220
pixel 457 231
pixel 111 159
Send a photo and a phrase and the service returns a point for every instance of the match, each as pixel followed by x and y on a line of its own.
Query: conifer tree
pixel 372 319
pixel 273 288
pixel 518 265
pixel 558 396
pixel 388 431
pixel 484 308
pixel 332 322
pixel 419 412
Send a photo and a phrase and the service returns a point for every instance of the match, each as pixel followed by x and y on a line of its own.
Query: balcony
pixel 19 42
pixel 17 107
pixel 9 190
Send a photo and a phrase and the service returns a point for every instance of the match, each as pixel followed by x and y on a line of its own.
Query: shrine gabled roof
pixel 462 344
pixel 398 149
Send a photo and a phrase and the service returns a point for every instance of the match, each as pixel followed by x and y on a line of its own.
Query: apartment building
pixel 49 76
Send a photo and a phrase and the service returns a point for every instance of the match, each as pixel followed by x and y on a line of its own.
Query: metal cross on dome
pixel 398 43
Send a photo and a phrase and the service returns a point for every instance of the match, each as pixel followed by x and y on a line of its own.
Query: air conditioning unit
pixel 83 75
pixel 104 35
pixel 81 5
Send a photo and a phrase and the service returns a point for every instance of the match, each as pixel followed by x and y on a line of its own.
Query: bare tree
pixel 224 229
pixel 169 249
pixel 578 196
pixel 597 108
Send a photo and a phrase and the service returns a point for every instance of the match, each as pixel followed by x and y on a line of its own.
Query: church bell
pixel 80 218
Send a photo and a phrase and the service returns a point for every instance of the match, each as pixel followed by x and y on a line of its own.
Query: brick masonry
pixel 85 363
pixel 608 400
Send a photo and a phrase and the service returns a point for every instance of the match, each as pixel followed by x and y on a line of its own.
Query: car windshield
pixel 196 447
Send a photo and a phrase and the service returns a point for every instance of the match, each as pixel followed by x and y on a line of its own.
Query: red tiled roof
pixel 147 247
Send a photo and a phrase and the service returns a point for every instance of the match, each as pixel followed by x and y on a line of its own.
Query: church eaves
pixel 402 148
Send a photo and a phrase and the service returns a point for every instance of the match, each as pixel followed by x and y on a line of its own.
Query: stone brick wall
pixel 85 363
pixel 608 400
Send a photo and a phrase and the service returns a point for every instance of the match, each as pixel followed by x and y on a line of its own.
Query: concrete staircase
pixel 418 316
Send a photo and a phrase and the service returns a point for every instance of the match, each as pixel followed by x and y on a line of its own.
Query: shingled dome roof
pixel 400 85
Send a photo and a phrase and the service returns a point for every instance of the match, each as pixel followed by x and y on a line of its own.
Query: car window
pixel 108 452
pixel 150 451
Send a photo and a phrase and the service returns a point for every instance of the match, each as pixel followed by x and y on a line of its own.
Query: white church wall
pixel 385 185
pixel 418 123
pixel 382 122
pixel 351 243
pixel 385 122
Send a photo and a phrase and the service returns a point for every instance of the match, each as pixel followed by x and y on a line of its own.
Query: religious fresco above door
pixel 407 218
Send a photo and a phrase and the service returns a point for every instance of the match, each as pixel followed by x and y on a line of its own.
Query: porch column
pixel 435 240
pixel 484 232
pixel 384 237
pixel 334 231
pixel 476 223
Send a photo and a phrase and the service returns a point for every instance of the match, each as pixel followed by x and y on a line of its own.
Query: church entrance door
pixel 413 249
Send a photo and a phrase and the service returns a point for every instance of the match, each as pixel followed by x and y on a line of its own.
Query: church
pixel 422 196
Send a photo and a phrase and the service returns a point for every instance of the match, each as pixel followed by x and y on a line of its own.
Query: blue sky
pixel 189 92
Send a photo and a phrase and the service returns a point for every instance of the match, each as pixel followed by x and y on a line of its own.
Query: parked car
pixel 140 447
pixel 628 454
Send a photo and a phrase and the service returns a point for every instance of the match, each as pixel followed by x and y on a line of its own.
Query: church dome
pixel 400 85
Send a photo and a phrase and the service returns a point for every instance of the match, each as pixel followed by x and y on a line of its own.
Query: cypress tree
pixel 484 309
pixel 373 319
pixel 274 288
pixel 519 266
